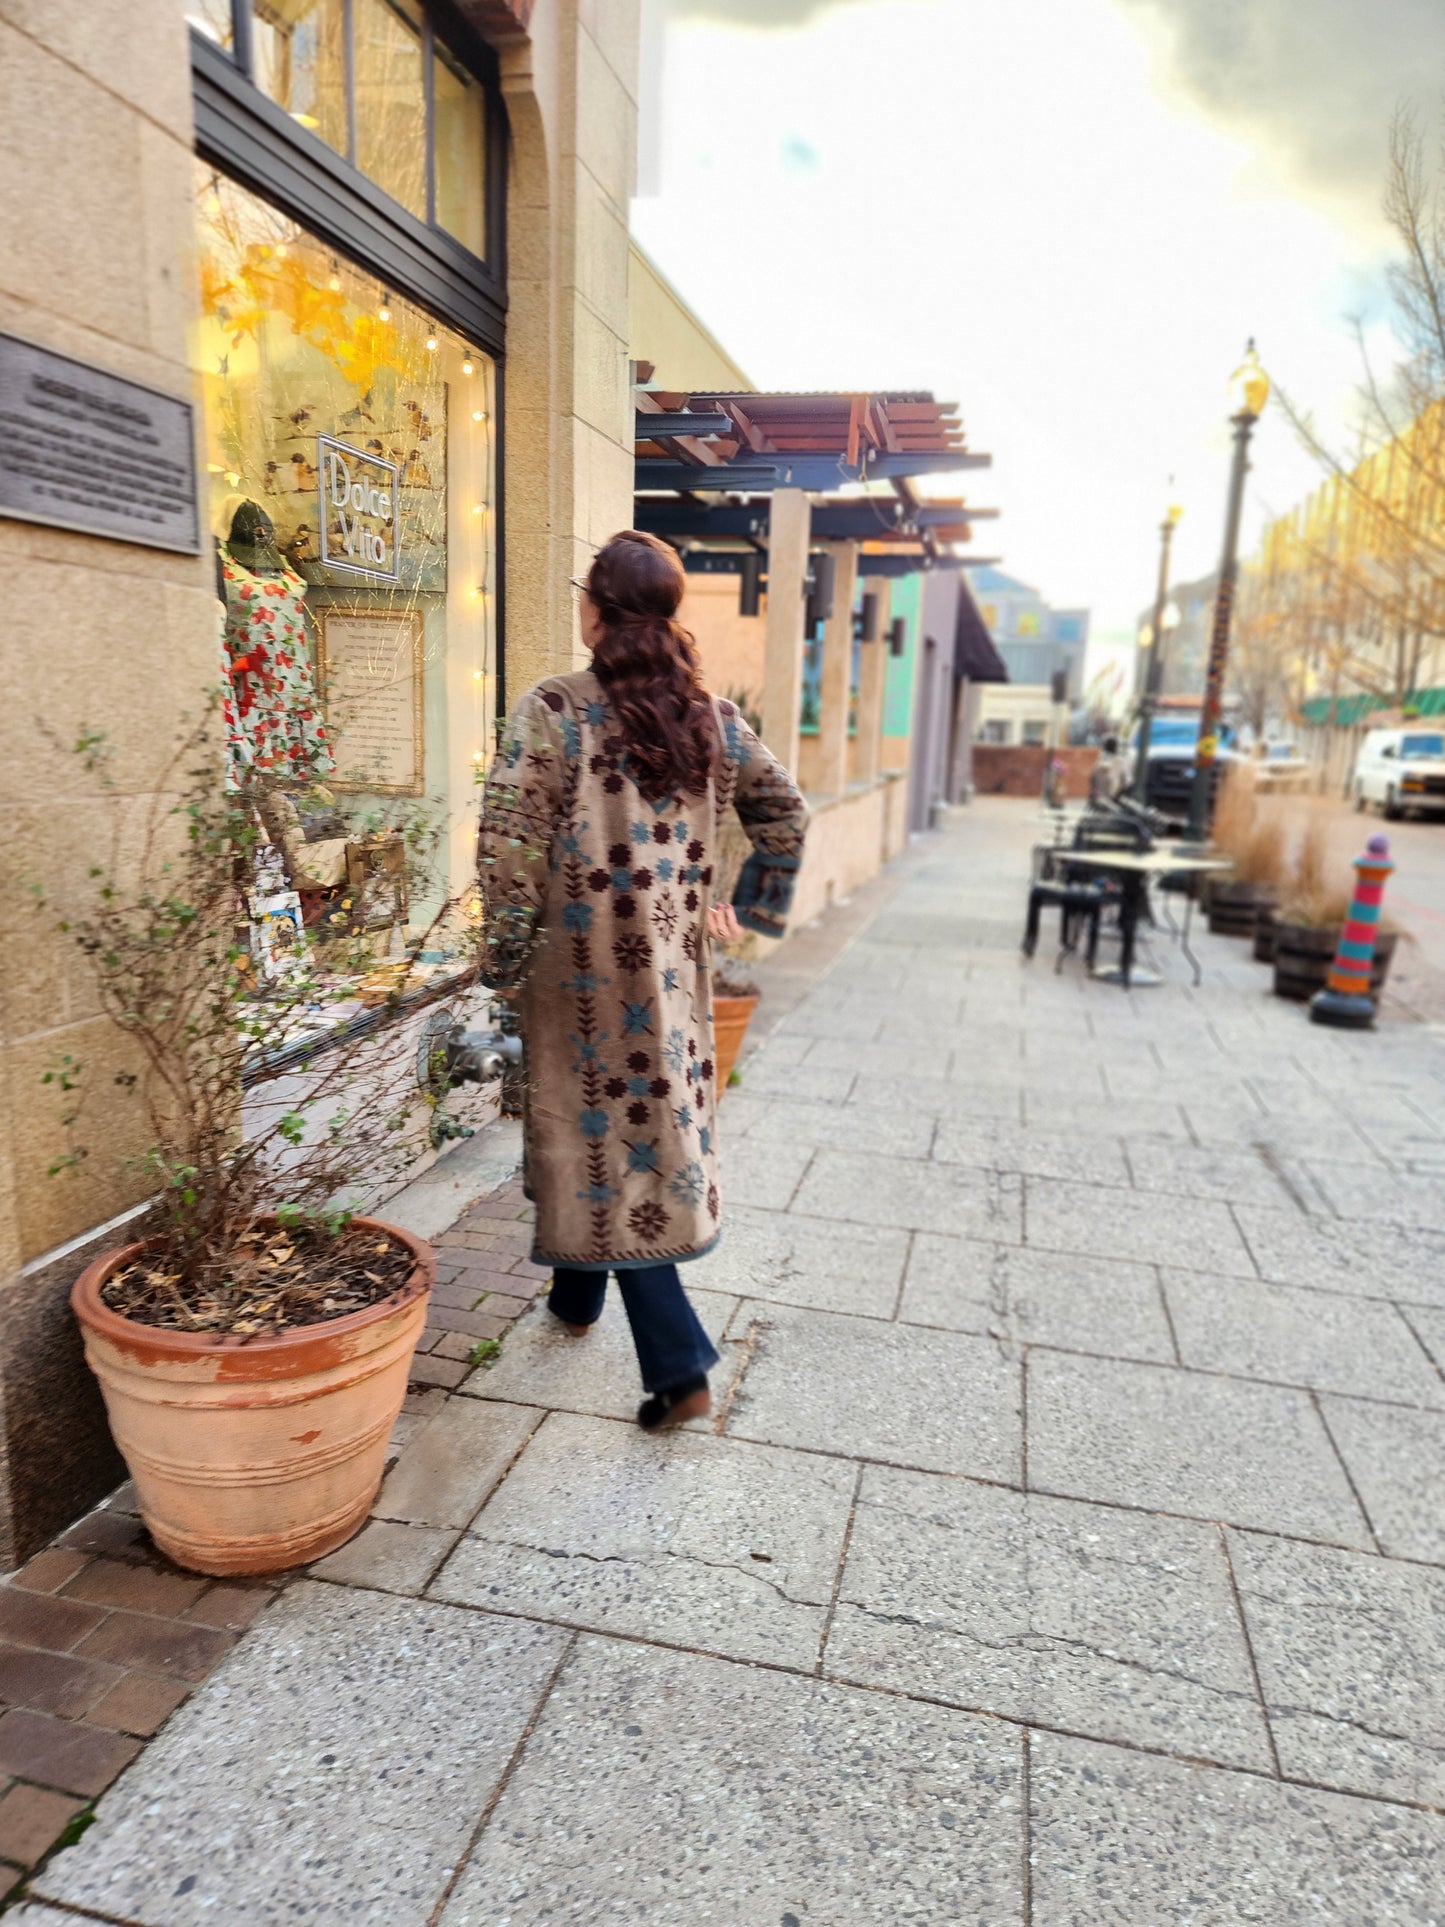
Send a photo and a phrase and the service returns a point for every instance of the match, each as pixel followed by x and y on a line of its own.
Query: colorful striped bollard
pixel 1346 1000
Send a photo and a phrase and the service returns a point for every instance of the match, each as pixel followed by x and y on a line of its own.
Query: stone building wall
pixel 95 226
pixel 96 239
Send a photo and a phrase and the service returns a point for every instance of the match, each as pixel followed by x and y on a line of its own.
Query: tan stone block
pixel 601 374
pixel 167 234
pixel 529 344
pixel 616 28
pixel 600 263
pixel 112 1130
pixel 70 160
pixel 605 134
pixel 69 337
pixel 142 53
pixel 88 649
pixel 610 489
pixel 529 245
pixel 529 473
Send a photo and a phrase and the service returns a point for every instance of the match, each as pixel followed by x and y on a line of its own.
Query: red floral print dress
pixel 268 656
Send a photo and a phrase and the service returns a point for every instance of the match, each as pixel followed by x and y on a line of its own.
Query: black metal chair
pixel 1076 903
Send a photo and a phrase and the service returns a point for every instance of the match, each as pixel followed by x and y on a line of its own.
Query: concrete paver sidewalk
pixel 1067 1546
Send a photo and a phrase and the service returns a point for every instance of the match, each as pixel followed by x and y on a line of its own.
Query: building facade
pixel 1035 640
pixel 353 279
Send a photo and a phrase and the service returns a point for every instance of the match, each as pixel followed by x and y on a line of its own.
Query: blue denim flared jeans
pixel 672 1346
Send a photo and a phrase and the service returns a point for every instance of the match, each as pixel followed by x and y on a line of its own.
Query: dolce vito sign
pixel 358 510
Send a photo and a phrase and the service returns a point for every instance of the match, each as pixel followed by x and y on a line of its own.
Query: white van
pixel 1401 769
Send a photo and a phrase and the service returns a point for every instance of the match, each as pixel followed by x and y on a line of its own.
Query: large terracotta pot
pixel 1303 954
pixel 252 1455
pixel 730 1019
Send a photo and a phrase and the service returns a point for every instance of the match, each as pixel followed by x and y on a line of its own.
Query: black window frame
pixel 249 137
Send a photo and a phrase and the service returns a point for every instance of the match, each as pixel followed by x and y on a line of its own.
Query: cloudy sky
pixel 1067 215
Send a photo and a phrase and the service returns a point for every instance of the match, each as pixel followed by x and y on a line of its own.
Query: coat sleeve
pixel 522 806
pixel 771 810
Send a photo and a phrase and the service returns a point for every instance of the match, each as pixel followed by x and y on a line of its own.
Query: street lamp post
pixel 1249 390
pixel 1154 667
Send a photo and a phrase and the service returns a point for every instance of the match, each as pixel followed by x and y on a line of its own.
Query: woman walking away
pixel 600 849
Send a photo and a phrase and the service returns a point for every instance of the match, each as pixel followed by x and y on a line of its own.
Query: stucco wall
pixel 848 842
pixel 665 331
pixel 730 645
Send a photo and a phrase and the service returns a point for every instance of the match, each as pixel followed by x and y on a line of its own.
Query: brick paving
pixel 101 1639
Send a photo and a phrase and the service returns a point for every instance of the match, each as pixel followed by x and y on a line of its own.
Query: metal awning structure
pixel 708 463
pixel 732 441
pixel 897 534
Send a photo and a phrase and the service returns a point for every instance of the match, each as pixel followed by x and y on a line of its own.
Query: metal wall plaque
pixel 83 449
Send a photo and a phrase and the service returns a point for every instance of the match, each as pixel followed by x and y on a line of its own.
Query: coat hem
pixel 540 1257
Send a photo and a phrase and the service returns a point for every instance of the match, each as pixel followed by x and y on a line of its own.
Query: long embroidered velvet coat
pixel 595 904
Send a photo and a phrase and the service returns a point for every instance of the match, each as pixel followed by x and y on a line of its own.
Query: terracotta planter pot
pixel 1234 907
pixel 1303 954
pixel 730 1019
pixel 253 1455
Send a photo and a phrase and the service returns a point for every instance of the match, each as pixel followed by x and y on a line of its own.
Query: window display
pixel 349 464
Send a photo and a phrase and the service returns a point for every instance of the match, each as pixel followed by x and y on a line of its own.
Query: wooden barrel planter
pixel 1266 929
pixel 1303 954
pixel 1234 907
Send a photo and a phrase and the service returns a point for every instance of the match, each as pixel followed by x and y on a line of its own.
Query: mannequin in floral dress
pixel 268 655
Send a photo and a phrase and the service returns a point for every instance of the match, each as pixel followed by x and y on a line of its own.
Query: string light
pixel 467 368
pixel 479 415
pixel 335 282
pixel 383 313
pixel 431 342
pixel 282 250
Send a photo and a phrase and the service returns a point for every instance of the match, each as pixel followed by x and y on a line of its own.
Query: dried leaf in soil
pixel 273 1284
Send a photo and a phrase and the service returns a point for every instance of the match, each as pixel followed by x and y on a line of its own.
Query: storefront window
pixel 391 100
pixel 374 81
pixel 299 52
pixel 460 119
pixel 349 462
pixel 214 19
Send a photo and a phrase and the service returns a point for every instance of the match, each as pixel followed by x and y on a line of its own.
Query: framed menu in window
pixel 372 669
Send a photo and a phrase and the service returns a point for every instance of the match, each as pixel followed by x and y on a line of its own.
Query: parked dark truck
pixel 1169 777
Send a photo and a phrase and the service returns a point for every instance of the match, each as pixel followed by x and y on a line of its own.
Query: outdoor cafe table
pixel 1135 869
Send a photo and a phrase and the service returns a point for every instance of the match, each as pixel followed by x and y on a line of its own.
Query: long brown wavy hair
pixel 647 664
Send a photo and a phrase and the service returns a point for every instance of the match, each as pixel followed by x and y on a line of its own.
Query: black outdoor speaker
pixel 820 594
pixel 750 593
pixel 1059 685
pixel 868 618
pixel 897 636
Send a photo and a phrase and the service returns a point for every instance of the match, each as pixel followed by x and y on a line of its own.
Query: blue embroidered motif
pixel 593 1123
pixel 674 1051
pixel 577 916
pixel 636 1020
pixel 688 1184
pixel 642 1157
